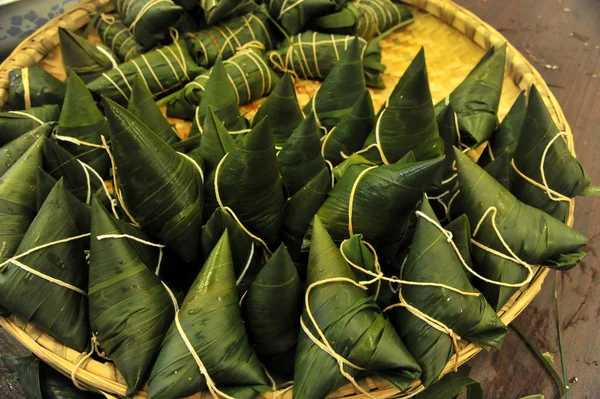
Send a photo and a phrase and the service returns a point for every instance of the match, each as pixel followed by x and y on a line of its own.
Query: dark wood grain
pixel 565 34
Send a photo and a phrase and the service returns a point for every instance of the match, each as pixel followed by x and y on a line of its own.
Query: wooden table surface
pixel 565 34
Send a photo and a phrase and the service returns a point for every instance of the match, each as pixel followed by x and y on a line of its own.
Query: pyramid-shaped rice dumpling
pixel 82 120
pixel 432 259
pixel 353 324
pixel 16 123
pixel 342 87
pixel 300 158
pixel 407 121
pixel 383 193
pixel 18 199
pixel 350 133
pixel 477 98
pixel 249 183
pixel 12 151
pixel 130 309
pixel 550 242
pixel 86 59
pixel 216 141
pixel 210 318
pixel 142 105
pixel 35 84
pixel 282 107
pixel 162 189
pixel 272 310
pixel 564 174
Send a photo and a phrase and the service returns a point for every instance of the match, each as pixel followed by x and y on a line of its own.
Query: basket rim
pixel 104 376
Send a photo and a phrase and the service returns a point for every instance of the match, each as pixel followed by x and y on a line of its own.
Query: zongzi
pixel 86 59
pixel 117 37
pixel 32 87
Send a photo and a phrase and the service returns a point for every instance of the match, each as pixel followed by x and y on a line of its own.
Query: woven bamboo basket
pixel 454 40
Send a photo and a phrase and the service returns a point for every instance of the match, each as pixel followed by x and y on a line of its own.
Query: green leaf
pixel 452 385
pixel 42 87
pixel 211 319
pixel 477 98
pixel 216 141
pixel 13 150
pixel 220 10
pixel 148 168
pixel 353 324
pixel 431 258
pixel 221 97
pixel 300 159
pixel 293 20
pixel 501 170
pixel 563 171
pixel 350 133
pixel 244 251
pixel 407 121
pixel 385 193
pixel 130 310
pixel 142 105
pixel 282 107
pixel 34 298
pixel 548 241
pixel 83 57
pixel 18 199
pixel 82 120
pixel 250 184
pixel 13 125
pixel 115 34
pixel 272 310
pixel 461 236
pixel 342 87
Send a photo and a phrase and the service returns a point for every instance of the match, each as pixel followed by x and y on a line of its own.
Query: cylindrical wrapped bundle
pixel 248 72
pixel 312 55
pixel 149 20
pixel 364 18
pixel 216 11
pixel 118 37
pixel 227 38
pixel 163 70
pixel 294 15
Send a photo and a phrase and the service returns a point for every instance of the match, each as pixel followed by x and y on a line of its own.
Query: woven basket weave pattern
pixel 454 40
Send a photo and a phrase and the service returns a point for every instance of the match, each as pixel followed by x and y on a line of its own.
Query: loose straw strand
pixel 351 199
pixel 26 87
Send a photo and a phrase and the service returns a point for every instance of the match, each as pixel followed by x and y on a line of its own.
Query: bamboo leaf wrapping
pixel 147 168
pixel 221 96
pixel 283 110
pixel 13 150
pixel 299 211
pixel 431 258
pixel 477 98
pixel 60 163
pixel 35 299
pixel 130 310
pixel 250 73
pixel 293 16
pixel 382 194
pixel 351 321
pixel 249 183
pixel 505 138
pixel 500 169
pixel 163 70
pixel 40 381
pixel 300 158
pixel 564 174
pixel 348 136
pixel 342 87
pixel 211 319
pixel 14 124
pixel 407 122
pixel 149 21
pixel 32 87
pixel 312 55
pixel 82 120
pixel 244 251
pixel 534 236
pixel 461 236
pixel 249 30
pixel 142 105
pixel 365 18
pixel 220 10
pixel 215 143
pixel 117 36
pixel 45 184
pixel 18 199
pixel 86 59
pixel 272 310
